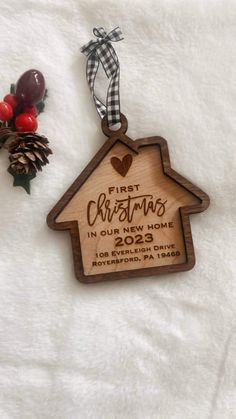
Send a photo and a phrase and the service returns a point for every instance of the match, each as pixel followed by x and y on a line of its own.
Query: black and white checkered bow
pixel 101 50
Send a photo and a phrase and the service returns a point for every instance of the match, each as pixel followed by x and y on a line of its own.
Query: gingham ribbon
pixel 101 50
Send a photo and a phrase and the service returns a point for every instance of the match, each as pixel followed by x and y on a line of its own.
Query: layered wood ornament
pixel 128 211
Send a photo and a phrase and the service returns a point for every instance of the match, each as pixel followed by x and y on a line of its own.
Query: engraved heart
pixel 122 166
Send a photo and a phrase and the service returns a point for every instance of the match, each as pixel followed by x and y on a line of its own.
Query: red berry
pixel 6 111
pixel 12 100
pixel 32 110
pixel 25 122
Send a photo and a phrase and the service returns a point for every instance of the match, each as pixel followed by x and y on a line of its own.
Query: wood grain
pixel 133 221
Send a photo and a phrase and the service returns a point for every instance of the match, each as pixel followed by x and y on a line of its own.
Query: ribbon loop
pixel 101 51
pixel 99 32
pixel 115 35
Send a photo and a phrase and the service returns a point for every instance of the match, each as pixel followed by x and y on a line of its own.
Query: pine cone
pixel 5 134
pixel 28 153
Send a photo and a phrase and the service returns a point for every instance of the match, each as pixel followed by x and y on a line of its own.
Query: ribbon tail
pixel 113 99
pixel 92 68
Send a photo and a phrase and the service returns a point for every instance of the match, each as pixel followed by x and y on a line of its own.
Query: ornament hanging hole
pixel 119 128
pixel 115 127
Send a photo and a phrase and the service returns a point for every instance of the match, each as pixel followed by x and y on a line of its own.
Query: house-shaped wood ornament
pixel 128 211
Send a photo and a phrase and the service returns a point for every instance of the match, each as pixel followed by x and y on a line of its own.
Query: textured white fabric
pixel 155 348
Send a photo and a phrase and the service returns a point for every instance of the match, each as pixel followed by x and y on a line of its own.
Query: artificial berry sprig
pixel 28 151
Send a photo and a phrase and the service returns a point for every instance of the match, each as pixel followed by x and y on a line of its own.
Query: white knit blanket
pixel 155 348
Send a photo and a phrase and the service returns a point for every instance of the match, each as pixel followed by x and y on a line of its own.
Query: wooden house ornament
pixel 128 211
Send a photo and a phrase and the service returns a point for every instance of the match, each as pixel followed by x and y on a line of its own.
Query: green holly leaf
pixel 22 179
pixel 45 95
pixel 40 106
pixel 13 89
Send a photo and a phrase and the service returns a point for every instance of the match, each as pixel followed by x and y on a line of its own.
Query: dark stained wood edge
pixel 73 227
